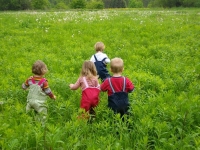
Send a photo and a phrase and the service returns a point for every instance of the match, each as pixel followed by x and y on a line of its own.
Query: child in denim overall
pixel 38 91
pixel 88 82
pixel 100 60
pixel 117 88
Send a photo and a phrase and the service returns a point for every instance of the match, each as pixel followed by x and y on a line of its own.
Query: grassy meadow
pixel 161 53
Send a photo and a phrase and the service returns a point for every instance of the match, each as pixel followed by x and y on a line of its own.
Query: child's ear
pixel 122 70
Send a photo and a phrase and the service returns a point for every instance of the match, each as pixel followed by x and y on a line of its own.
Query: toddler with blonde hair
pixel 100 60
pixel 88 82
pixel 117 88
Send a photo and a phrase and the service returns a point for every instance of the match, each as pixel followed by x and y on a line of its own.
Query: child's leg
pixel 28 107
pixel 92 112
pixel 41 112
pixel 85 105
pixel 42 116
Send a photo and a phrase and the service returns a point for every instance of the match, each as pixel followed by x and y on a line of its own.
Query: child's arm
pixel 107 60
pixel 92 58
pixel 51 95
pixel 76 85
pixel 25 85
pixel 71 86
pixel 129 86
pixel 104 86
pixel 48 91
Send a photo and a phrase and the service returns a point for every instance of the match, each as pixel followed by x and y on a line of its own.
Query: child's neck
pixel 39 76
pixel 117 74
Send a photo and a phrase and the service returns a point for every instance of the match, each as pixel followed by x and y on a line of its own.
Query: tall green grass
pixel 160 49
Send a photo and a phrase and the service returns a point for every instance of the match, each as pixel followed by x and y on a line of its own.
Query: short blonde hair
pixel 88 69
pixel 99 46
pixel 116 65
pixel 39 68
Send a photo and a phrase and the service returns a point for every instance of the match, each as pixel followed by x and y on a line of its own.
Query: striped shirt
pixel 45 87
pixel 80 83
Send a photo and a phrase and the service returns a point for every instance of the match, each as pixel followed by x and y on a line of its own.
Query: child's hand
pixel 71 85
pixel 54 97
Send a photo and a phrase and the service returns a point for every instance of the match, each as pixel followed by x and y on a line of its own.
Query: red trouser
pixel 90 98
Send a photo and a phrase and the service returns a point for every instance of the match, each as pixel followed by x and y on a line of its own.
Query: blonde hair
pixel 39 68
pixel 116 65
pixel 99 46
pixel 88 69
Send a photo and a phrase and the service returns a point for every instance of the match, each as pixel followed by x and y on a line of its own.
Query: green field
pixel 161 53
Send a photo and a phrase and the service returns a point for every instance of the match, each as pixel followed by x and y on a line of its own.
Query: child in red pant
pixel 88 82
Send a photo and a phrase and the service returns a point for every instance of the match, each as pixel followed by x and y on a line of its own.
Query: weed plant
pixel 161 53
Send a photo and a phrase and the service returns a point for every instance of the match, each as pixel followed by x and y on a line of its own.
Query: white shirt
pixel 100 56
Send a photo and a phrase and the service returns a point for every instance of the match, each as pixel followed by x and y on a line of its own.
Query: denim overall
pixel 118 101
pixel 101 69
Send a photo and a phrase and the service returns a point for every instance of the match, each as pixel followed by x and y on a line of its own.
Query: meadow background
pixel 160 49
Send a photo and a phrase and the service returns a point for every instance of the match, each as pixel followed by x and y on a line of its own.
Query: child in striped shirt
pixel 38 91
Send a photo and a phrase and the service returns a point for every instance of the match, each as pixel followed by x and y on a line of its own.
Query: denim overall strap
pixel 104 59
pixel 124 85
pixel 95 58
pixel 111 85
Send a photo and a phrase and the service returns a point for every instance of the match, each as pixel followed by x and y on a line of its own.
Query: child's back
pixel 88 82
pixel 36 92
pixel 100 60
pixel 118 88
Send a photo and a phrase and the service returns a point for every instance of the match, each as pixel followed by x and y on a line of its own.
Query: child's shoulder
pixel 100 53
pixel 90 77
pixel 42 79
pixel 29 78
pixel 128 80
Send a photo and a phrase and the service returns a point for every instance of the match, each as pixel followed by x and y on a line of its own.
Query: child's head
pixel 88 69
pixel 99 46
pixel 116 65
pixel 39 68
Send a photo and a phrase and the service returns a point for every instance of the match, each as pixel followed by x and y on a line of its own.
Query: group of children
pixel 116 86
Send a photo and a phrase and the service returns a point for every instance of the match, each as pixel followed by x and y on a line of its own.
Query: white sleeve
pixel 92 58
pixel 107 60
